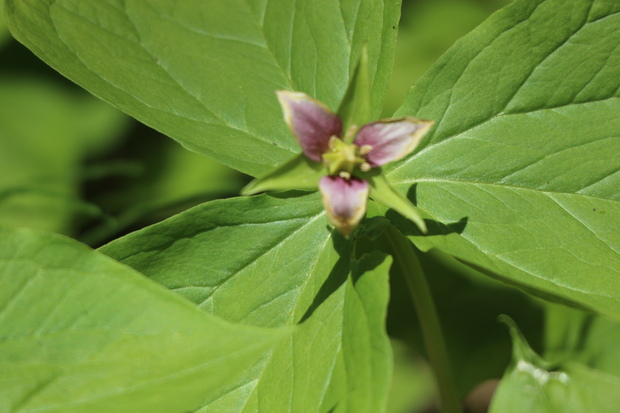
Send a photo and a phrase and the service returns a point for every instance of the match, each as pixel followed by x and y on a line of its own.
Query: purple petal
pixel 311 121
pixel 344 201
pixel 391 139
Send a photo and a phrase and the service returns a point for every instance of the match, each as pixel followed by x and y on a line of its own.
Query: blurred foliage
pixel 575 335
pixel 413 388
pixel 151 178
pixel 468 304
pixel 4 32
pixel 45 133
pixel 72 164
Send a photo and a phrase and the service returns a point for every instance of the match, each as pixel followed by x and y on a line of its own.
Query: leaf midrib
pixel 271 248
pixel 497 184
pixel 462 134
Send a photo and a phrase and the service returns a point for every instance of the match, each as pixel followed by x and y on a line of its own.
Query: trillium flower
pixel 346 160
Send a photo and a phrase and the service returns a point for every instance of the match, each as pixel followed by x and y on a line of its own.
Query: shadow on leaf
pixel 434 227
pixel 345 265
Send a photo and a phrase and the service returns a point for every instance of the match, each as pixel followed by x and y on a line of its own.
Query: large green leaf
pixel 81 333
pixel 524 156
pixel 205 72
pixel 269 261
pixel 45 135
pixel 533 385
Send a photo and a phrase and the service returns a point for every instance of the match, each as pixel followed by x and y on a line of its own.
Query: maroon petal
pixel 391 140
pixel 311 121
pixel 344 201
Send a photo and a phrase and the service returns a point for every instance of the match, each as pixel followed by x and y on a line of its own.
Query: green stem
pixel 405 256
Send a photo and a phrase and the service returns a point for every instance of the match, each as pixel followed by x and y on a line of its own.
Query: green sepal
pixel 521 350
pixel 298 173
pixel 356 106
pixel 382 192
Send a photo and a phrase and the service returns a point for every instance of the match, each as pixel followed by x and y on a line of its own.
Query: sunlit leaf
pixel 524 151
pixel 268 261
pixel 205 72
pixel 80 332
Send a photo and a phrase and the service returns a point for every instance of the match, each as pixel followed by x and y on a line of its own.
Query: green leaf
pixel 524 152
pixel 80 332
pixel 272 261
pixel 205 72
pixel 531 384
pixel 40 160
pixel 298 173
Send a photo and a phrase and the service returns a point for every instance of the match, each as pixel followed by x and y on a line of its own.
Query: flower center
pixel 344 158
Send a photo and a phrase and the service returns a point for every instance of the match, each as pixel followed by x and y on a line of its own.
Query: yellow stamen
pixel 365 150
pixel 350 133
pixel 344 158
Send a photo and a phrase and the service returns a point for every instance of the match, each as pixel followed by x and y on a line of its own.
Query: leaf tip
pixel 249 189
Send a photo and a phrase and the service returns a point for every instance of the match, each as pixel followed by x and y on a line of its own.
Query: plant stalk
pixel 405 256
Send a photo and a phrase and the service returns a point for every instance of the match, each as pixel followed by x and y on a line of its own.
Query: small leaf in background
pixel 572 334
pixel 525 150
pixel 81 333
pixel 533 385
pixel 271 261
pixel 204 73
pixel 45 134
